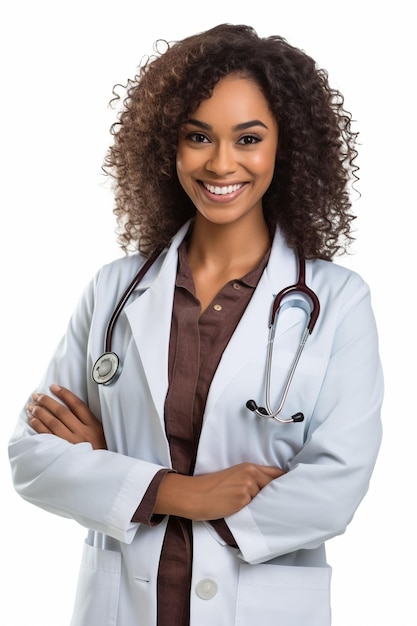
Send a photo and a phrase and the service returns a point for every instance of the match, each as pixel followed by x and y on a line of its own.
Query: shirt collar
pixel 185 278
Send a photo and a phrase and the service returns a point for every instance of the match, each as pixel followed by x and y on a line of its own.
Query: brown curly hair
pixel 309 195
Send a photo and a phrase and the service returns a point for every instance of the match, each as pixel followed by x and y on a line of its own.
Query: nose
pixel 222 159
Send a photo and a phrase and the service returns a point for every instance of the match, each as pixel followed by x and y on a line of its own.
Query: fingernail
pixel 36 396
pixel 55 388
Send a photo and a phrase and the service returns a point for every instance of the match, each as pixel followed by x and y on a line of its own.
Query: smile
pixel 222 191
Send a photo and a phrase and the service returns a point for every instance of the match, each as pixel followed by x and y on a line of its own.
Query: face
pixel 226 152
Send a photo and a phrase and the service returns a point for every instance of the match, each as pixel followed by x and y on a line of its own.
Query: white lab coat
pixel 279 574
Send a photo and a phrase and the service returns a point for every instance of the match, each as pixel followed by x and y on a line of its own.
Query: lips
pixel 223 190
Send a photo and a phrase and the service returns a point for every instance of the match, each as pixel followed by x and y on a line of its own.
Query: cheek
pixel 264 161
pixel 183 168
pixel 180 167
pixel 272 160
pixel 265 165
pixel 186 162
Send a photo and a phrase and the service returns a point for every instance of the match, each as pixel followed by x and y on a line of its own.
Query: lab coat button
pixel 206 589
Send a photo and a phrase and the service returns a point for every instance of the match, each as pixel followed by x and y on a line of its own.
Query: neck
pixel 228 245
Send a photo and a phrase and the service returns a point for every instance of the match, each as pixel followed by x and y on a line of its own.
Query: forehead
pixel 235 97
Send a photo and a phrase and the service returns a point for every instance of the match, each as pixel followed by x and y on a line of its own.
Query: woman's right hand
pixel 213 496
pixel 70 419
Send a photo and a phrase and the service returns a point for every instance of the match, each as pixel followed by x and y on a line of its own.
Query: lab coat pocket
pixel 286 595
pixel 97 594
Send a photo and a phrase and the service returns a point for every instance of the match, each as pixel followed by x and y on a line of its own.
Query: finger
pixel 264 474
pixel 58 418
pixel 37 424
pixel 74 403
pixel 43 421
pixel 270 469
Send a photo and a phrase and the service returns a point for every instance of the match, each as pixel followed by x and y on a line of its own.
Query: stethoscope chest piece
pixel 106 369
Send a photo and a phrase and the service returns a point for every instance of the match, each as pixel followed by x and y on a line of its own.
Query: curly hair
pixel 309 194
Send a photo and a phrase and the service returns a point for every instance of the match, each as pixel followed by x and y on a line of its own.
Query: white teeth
pixel 221 191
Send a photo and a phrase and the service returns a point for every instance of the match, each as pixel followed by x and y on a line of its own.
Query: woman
pixel 232 158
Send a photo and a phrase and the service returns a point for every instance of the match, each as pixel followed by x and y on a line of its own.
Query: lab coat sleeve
pixel 100 489
pixel 330 475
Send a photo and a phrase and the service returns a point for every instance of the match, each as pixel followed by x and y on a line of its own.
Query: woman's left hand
pixel 72 421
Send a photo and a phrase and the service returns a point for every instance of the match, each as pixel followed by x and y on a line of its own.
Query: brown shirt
pixel 197 343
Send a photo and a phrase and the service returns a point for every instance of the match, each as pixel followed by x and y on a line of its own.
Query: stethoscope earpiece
pixel 262 412
pixel 106 369
pixel 252 406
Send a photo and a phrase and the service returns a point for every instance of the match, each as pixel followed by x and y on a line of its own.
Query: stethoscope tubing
pixel 299 287
pixel 270 412
pixel 125 297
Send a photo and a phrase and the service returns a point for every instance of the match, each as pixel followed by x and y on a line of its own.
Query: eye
pixel 197 137
pixel 249 140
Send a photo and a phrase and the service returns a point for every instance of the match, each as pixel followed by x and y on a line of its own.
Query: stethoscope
pixel 312 309
pixel 107 368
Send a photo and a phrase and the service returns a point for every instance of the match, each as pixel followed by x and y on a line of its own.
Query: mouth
pixel 222 190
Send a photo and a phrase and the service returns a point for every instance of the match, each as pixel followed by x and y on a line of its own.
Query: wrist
pixel 174 495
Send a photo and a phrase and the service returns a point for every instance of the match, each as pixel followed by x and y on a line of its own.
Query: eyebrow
pixel 243 126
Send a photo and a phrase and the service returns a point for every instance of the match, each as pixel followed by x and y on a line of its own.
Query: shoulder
pixel 123 267
pixel 112 279
pixel 339 287
pixel 128 266
pixel 115 277
pixel 126 263
pixel 336 276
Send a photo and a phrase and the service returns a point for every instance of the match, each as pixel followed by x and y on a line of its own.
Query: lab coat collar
pixel 167 258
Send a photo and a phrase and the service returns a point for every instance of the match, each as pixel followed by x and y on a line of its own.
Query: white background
pixel 59 64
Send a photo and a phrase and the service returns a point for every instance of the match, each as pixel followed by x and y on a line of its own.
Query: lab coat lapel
pixel 251 334
pixel 150 320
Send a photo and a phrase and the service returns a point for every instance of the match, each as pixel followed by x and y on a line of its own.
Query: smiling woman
pixel 309 191
pixel 231 164
pixel 231 158
pixel 225 163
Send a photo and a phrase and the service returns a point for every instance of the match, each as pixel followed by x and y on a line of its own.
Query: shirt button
pixel 236 286
pixel 217 307
pixel 206 589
